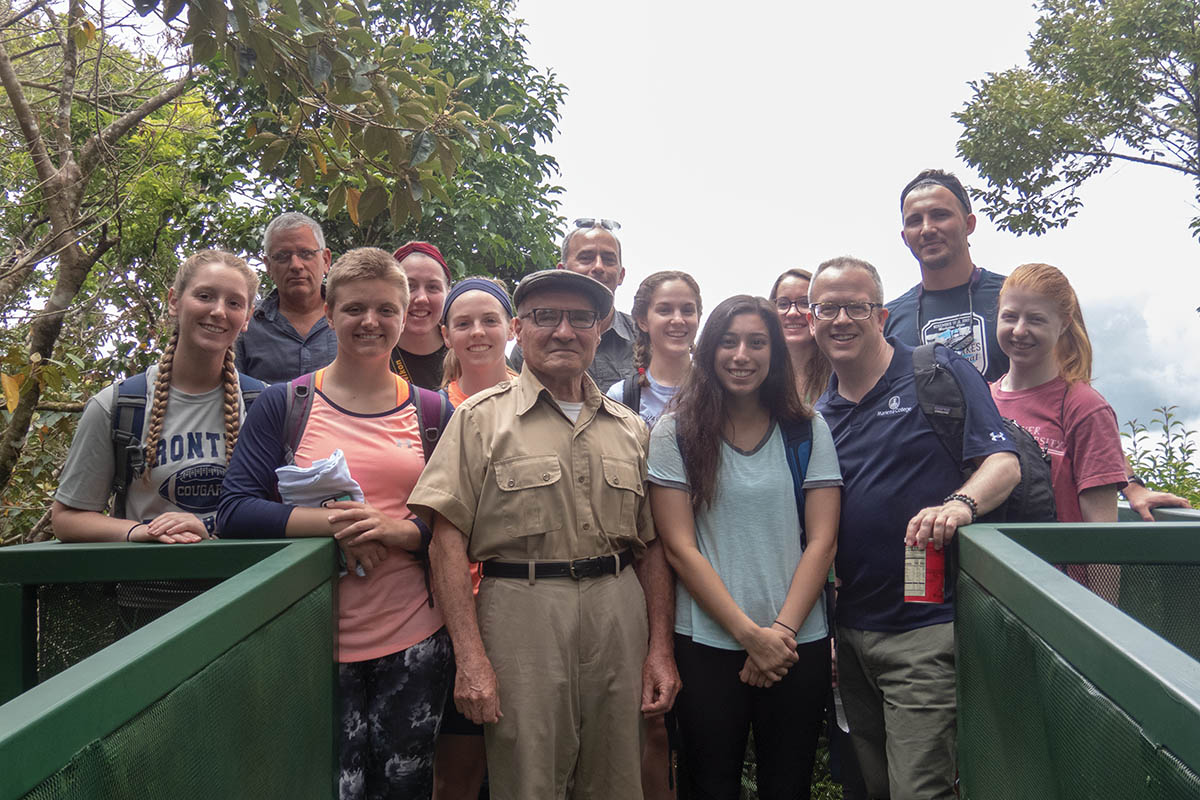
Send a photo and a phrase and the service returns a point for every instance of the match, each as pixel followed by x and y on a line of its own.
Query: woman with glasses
pixel 1048 390
pixel 666 309
pixel 420 354
pixel 393 653
pixel 745 494
pixel 790 296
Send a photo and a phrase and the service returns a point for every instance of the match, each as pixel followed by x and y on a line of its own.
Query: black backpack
pixel 941 399
pixel 631 393
pixel 128 415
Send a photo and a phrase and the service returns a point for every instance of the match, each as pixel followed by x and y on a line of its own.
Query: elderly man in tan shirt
pixel 542 479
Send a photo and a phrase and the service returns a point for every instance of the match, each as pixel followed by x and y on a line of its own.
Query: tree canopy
pixel 130 142
pixel 1107 80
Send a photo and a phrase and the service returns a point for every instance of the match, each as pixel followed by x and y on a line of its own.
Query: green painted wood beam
pixel 55 562
pixel 43 728
pixel 18 634
pixel 1110 543
pixel 1150 679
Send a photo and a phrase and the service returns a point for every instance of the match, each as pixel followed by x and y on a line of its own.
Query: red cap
pixel 408 248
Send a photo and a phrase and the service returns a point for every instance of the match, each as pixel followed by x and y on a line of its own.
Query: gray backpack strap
pixel 298 406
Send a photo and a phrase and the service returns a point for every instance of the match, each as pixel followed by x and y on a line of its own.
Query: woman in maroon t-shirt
pixel 1047 389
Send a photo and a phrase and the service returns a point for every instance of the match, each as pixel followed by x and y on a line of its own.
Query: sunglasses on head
pixel 591 222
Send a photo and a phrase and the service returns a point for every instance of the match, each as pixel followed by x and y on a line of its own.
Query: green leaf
pixel 373 200
pixel 337 201
pixel 272 154
pixel 423 145
pixel 308 172
pixel 204 48
pixel 319 68
pixel 467 83
pixel 375 140
pixel 399 209
pixel 171 9
pixel 435 188
pixel 416 190
pixel 504 110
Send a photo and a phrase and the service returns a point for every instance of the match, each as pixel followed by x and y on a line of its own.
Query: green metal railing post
pixel 18 648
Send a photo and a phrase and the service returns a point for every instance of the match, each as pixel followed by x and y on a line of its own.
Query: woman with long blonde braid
pixel 193 413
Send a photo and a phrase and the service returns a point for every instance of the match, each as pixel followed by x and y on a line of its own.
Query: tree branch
pixel 1137 159
pixel 119 127
pixel 67 88
pixel 1168 124
pixel 19 15
pixel 26 119
pixel 64 407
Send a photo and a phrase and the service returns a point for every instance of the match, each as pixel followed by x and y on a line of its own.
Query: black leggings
pixel 716 711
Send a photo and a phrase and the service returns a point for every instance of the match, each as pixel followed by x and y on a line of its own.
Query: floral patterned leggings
pixel 391 708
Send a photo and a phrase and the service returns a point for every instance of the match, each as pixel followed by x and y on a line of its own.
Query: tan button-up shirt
pixel 523 483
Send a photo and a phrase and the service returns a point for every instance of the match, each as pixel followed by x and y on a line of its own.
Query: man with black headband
pixel 591 248
pixel 955 302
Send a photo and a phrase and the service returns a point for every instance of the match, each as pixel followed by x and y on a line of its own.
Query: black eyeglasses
pixel 591 222
pixel 783 305
pixel 578 318
pixel 829 311
pixel 282 257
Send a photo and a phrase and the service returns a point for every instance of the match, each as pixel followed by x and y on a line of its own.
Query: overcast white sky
pixel 735 141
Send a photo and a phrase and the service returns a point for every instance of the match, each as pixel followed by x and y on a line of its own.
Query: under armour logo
pixel 997 436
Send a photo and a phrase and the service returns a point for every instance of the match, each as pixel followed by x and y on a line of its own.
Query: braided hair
pixel 641 311
pixel 166 361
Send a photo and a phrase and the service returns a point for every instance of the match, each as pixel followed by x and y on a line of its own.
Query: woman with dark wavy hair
pixel 745 489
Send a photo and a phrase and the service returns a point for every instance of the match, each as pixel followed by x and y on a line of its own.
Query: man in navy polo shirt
pixel 901 486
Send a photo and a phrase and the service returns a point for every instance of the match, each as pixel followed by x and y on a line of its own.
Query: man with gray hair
pixel 901 487
pixel 288 335
pixel 591 248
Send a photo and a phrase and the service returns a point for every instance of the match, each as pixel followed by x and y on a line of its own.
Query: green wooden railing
pixel 242 677
pixel 1061 693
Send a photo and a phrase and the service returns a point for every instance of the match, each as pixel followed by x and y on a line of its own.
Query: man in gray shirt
pixel 288 334
pixel 592 249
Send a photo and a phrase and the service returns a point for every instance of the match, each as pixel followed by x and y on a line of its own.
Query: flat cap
pixel 568 281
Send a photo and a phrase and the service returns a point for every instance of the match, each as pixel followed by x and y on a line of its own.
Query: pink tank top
pixel 388 610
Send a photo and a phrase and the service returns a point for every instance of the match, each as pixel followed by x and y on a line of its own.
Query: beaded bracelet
pixel 966 500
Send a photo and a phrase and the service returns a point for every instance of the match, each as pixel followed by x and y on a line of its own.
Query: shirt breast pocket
pixel 622 493
pixel 529 494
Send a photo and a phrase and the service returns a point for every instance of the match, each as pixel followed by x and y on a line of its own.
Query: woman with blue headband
pixel 476 326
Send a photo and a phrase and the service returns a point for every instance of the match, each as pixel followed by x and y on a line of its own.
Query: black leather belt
pixel 577 569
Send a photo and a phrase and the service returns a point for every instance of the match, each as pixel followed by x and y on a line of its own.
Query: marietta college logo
pixel 893 408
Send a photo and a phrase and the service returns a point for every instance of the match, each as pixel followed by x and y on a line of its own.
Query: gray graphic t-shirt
pixel 191 458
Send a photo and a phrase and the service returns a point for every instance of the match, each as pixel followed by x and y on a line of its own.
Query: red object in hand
pixel 924 574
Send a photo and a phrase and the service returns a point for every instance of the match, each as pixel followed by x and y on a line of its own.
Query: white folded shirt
pixel 327 479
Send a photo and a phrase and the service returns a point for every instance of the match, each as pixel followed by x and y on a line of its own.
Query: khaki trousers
pixel 898 690
pixel 568 655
